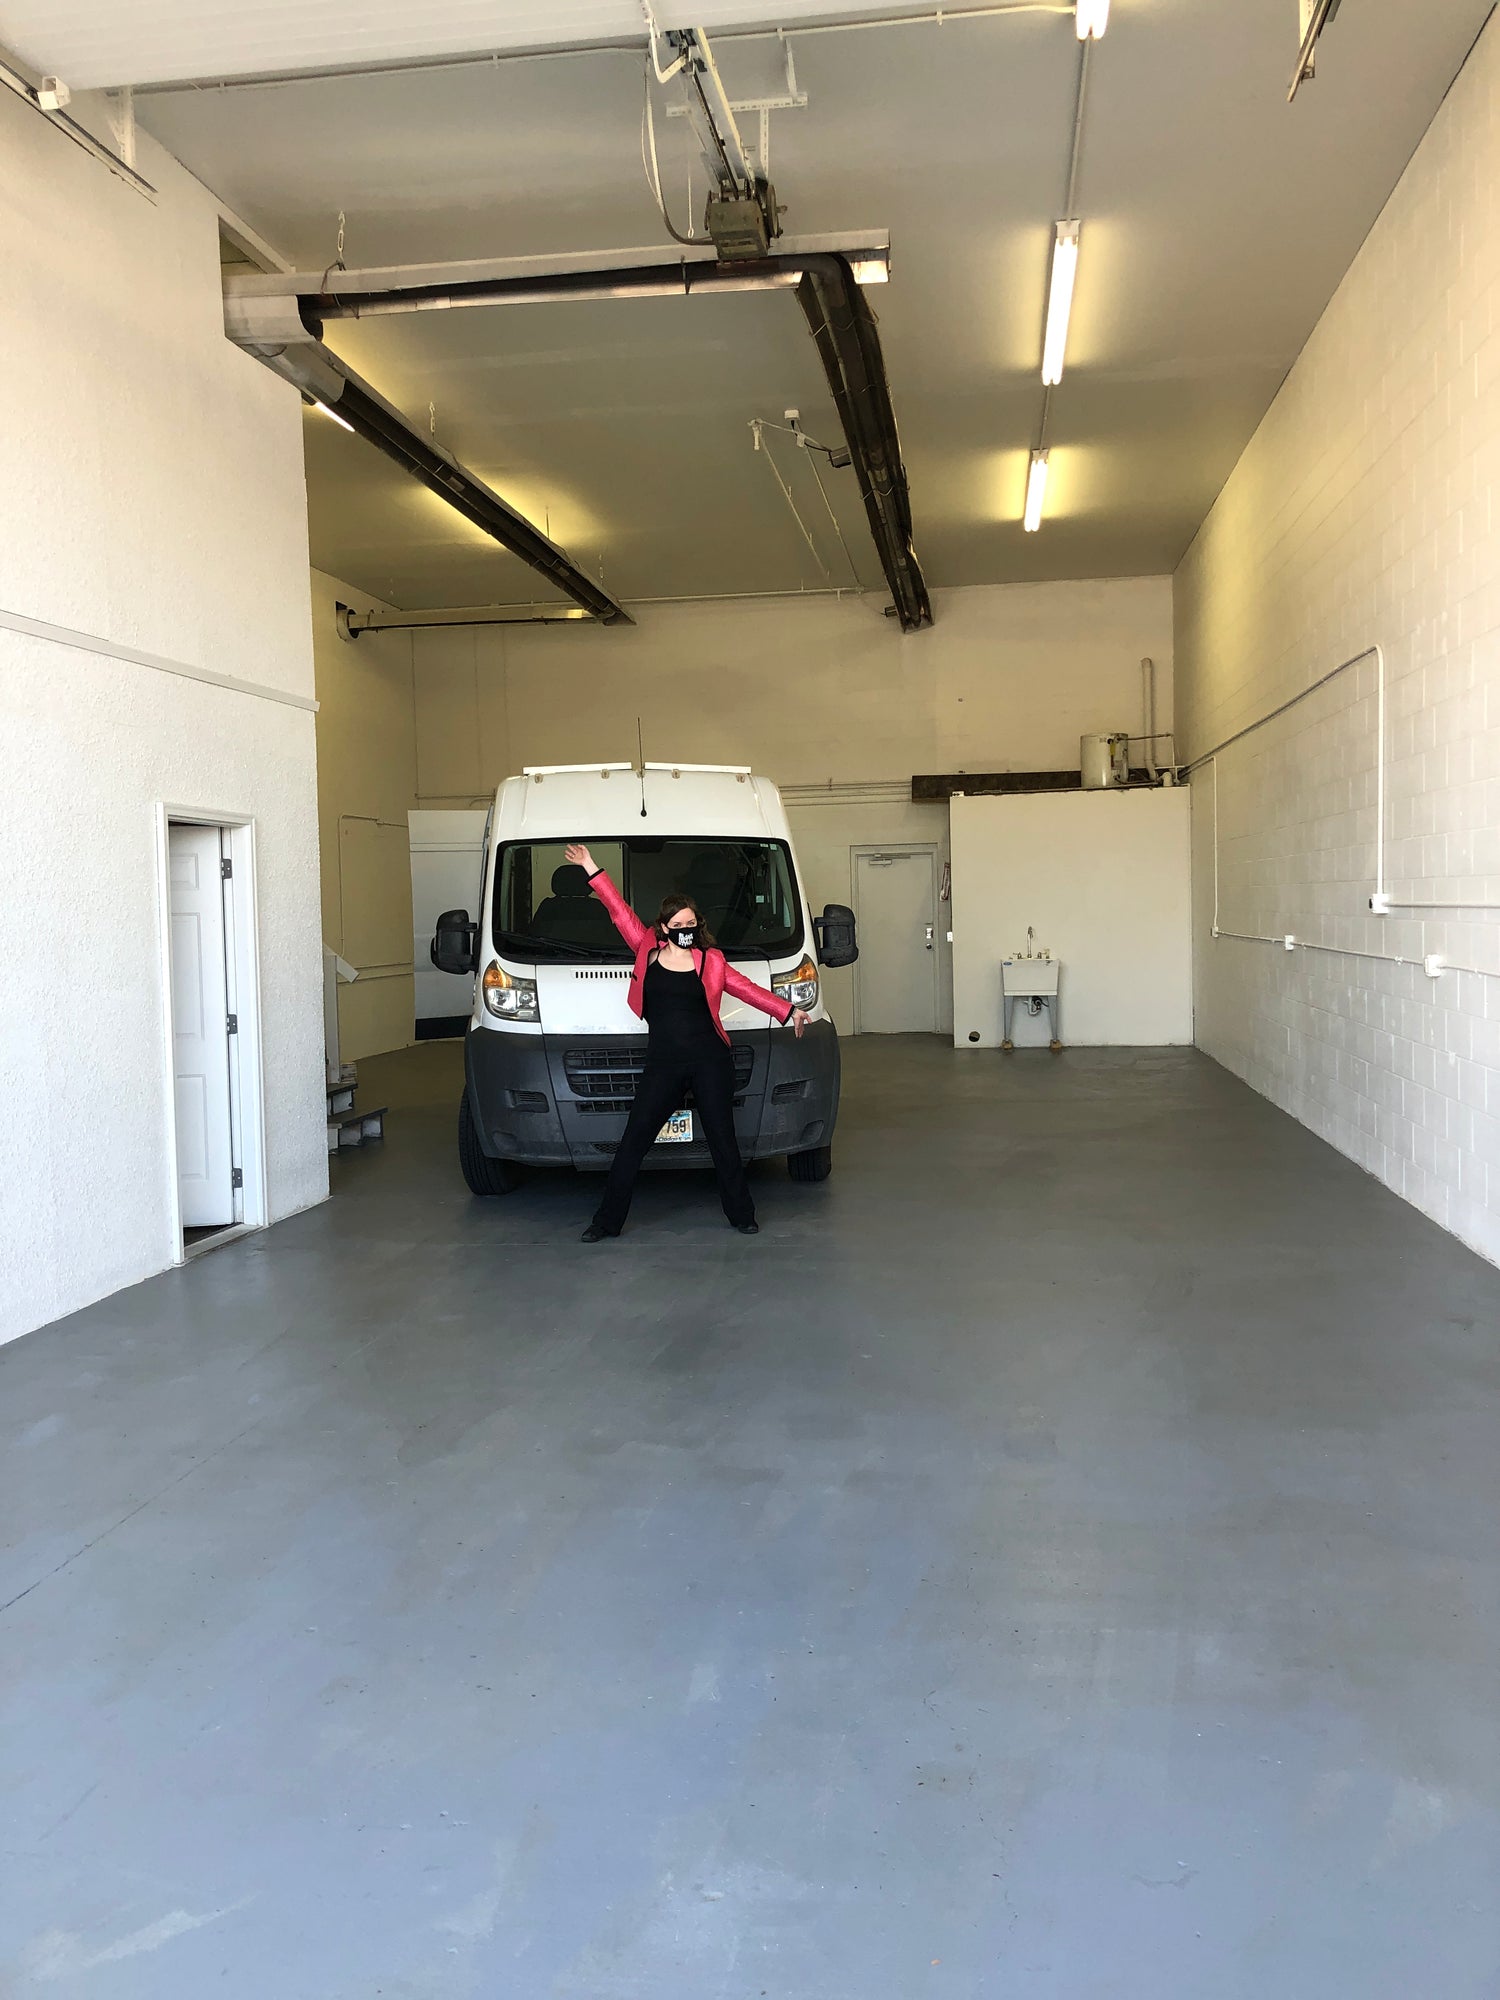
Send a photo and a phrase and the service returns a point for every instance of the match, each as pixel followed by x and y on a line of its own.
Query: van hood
pixel 590 999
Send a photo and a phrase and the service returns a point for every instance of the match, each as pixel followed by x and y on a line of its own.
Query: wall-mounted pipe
pixel 80 135
pixel 1148 717
pixel 351 623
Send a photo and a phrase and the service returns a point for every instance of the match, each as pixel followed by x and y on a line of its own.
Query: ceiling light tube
pixel 329 411
pixel 1059 301
pixel 1036 488
pixel 1091 18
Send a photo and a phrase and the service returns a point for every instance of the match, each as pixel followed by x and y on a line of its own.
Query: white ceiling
pixel 102 44
pixel 1217 222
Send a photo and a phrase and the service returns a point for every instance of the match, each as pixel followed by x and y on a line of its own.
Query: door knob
pixel 929 937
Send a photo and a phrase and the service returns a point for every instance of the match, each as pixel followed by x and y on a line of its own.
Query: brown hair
pixel 670 905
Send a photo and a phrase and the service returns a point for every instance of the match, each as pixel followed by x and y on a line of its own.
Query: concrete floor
pixel 1056 1560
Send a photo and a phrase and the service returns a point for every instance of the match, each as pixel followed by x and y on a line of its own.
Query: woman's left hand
pixel 799 1022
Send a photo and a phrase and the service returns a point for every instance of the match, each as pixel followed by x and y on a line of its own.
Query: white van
pixel 552 1051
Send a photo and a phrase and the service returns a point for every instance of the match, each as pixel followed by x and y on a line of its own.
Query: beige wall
pixel 367 768
pixel 807 690
pixel 826 696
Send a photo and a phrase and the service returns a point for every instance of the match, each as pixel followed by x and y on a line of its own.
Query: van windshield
pixel 745 889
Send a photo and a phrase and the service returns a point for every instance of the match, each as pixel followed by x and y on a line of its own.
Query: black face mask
pixel 685 938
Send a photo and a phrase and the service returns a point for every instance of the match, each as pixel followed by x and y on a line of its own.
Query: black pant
pixel 665 1081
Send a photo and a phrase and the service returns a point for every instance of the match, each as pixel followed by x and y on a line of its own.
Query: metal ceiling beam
pixel 849 344
pixel 296 354
pixel 276 315
pixel 260 305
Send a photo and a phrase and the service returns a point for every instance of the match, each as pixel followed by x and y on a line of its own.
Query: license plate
pixel 678 1130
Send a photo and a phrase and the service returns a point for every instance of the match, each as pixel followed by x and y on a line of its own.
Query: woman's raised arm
pixel 624 919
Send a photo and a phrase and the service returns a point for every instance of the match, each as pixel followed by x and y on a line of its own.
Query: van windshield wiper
pixel 519 945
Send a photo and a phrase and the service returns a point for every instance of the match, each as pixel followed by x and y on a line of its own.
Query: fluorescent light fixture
pixel 1059 301
pixel 1036 488
pixel 1091 18
pixel 328 411
pixel 872 270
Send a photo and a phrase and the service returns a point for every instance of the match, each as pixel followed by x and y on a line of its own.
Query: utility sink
pixel 1029 978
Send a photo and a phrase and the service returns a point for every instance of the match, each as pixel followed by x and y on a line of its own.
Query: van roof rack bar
pixel 729 770
pixel 562 770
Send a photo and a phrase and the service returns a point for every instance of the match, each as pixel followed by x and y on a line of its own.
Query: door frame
pixel 247 1097
pixel 931 849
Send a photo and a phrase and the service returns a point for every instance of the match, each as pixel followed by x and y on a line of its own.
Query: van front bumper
pixel 562 1100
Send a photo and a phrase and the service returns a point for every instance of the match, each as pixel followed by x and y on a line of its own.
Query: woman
pixel 678 983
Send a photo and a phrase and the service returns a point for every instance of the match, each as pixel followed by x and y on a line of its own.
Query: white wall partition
pixel 155 653
pixel 1364 514
pixel 1102 878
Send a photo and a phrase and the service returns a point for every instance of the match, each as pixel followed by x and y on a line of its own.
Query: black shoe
pixel 747 1228
pixel 596 1233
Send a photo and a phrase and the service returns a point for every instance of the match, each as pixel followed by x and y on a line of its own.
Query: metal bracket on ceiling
pixel 791 99
pixel 1313 17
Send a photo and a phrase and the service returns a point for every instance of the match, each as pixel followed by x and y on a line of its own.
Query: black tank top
pixel 677 1010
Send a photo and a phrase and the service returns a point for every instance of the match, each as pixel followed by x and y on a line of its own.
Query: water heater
pixel 1104 761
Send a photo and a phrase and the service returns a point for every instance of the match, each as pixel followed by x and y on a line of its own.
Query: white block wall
pixel 151 496
pixel 1366 510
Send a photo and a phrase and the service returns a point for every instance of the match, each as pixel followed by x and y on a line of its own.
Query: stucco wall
pixel 151 496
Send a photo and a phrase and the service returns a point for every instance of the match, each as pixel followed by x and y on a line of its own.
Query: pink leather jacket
pixel 717 976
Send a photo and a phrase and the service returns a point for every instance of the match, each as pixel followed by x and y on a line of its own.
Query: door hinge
pixel 226 868
pixel 233 1024
pixel 237 1177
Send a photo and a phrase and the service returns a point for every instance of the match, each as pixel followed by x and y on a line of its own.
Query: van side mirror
pixel 834 934
pixel 455 943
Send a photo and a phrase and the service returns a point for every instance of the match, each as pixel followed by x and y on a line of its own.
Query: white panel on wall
pixel 1102 878
pixel 446 857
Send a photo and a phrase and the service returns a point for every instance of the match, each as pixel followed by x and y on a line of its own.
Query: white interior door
pixel 200 1027
pixel 895 976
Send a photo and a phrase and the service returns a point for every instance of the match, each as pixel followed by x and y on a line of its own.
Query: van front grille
pixel 605 1079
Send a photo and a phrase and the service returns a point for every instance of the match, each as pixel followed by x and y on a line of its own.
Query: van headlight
pixel 800 987
pixel 507 997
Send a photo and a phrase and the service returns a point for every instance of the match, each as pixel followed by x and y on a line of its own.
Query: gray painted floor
pixel 1056 1560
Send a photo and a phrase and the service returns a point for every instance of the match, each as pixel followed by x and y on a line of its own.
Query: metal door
pixel 895 979
pixel 200 1027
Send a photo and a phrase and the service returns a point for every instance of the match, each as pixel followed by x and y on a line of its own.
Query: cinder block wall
pixel 1366 510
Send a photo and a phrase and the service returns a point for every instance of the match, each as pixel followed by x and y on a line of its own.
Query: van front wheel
pixel 816 1164
pixel 483 1175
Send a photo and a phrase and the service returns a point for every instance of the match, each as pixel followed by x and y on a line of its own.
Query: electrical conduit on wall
pixel 1381 902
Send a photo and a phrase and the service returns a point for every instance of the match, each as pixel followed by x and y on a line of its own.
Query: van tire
pixel 483 1175
pixel 816 1164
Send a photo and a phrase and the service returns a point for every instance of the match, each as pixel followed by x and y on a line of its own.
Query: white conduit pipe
pixel 1380 901
pixel 1148 717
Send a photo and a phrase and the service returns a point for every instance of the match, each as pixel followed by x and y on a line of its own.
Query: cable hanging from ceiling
pixel 1091 18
